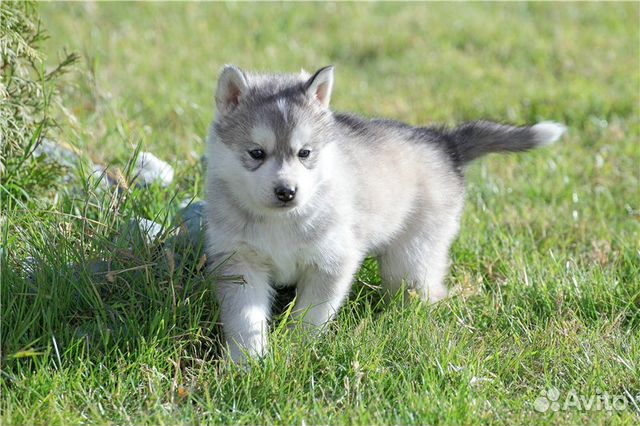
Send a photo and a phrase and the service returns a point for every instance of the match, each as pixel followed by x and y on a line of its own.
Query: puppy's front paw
pixel 240 354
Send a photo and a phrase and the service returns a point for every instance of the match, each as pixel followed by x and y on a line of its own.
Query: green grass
pixel 546 269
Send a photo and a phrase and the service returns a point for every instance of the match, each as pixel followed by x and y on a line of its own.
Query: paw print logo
pixel 548 399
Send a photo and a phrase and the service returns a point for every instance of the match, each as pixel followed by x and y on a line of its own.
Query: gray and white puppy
pixel 298 195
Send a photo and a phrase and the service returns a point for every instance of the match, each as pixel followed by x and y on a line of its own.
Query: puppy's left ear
pixel 320 85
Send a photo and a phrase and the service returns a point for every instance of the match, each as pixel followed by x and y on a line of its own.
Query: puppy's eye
pixel 304 153
pixel 257 154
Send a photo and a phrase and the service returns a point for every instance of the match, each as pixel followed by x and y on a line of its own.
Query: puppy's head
pixel 271 132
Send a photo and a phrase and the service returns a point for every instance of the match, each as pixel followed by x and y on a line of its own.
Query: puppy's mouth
pixel 284 205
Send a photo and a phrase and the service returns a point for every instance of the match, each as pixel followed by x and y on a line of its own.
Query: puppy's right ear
pixel 232 85
pixel 320 84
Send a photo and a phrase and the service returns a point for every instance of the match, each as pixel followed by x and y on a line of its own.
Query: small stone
pixel 97 266
pixel 29 267
pixel 105 179
pixel 138 228
pixel 190 222
pixel 150 228
pixel 62 154
pixel 149 169
pixel 58 153
pixel 95 269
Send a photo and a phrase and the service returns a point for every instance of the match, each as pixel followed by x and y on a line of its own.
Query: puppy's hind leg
pixel 421 262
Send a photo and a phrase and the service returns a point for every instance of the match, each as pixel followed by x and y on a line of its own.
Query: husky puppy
pixel 298 195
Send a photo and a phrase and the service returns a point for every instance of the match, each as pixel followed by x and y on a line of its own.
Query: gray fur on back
pixel 461 144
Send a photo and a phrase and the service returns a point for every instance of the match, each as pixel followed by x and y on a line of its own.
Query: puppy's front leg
pixel 245 297
pixel 321 293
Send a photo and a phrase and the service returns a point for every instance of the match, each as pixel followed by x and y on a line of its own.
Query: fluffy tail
pixel 473 140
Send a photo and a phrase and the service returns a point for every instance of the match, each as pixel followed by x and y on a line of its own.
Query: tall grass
pixel 27 92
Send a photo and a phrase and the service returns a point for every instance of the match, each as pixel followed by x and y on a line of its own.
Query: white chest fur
pixel 288 248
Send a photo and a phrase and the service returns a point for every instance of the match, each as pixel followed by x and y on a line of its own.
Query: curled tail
pixel 475 139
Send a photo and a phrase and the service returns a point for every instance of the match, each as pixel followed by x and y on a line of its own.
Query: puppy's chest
pixel 288 250
pixel 286 268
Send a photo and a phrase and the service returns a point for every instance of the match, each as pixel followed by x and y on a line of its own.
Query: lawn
pixel 545 272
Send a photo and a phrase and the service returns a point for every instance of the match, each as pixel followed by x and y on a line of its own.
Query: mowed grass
pixel 545 273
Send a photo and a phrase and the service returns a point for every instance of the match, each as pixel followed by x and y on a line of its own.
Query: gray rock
pixel 29 267
pixel 97 266
pixel 149 169
pixel 105 179
pixel 190 223
pixel 140 229
pixel 58 153
pixel 151 229
pixel 64 155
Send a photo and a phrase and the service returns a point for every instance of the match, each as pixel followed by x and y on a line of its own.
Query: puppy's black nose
pixel 285 194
